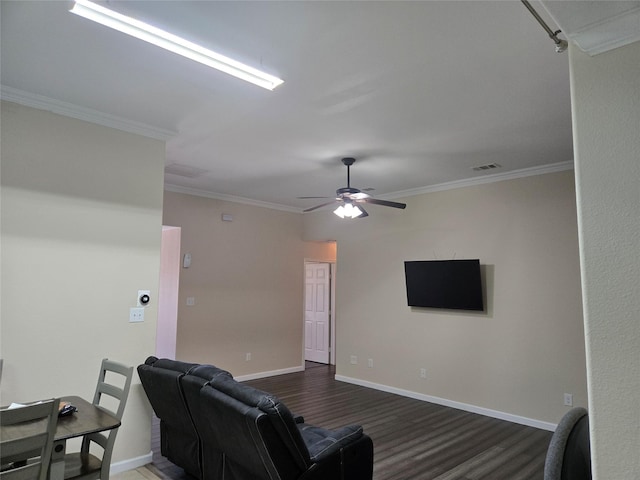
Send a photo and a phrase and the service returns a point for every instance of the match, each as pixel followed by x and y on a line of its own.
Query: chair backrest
pixel 117 393
pixel 32 431
pixel 569 455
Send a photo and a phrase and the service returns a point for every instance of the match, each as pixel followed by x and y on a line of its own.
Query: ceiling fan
pixel 351 199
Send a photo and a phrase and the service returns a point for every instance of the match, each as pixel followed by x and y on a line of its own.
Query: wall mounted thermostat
pixel 186 261
pixel 144 297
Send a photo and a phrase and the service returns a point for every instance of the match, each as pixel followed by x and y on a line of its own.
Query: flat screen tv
pixel 450 284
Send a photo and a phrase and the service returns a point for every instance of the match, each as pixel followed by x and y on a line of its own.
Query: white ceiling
pixel 418 92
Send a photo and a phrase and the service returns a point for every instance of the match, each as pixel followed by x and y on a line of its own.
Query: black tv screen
pixel 450 284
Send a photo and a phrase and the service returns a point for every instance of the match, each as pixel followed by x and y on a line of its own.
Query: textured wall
pixel 606 118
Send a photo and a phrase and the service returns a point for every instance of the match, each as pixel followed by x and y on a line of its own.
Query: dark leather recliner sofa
pixel 219 429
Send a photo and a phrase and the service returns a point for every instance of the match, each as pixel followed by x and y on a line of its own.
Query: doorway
pixel 319 320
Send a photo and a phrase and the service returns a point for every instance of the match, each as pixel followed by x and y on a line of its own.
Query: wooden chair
pixel 28 435
pixel 111 397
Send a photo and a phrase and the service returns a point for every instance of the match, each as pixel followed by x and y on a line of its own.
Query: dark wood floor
pixel 412 439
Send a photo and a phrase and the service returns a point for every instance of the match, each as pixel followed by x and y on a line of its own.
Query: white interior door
pixel 316 312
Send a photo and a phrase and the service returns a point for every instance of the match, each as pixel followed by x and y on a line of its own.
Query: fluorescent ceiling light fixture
pixel 173 43
pixel 348 210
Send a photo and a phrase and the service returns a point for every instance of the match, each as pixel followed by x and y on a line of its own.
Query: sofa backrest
pixel 194 381
pixel 211 460
pixel 263 420
pixel 161 380
pixel 231 427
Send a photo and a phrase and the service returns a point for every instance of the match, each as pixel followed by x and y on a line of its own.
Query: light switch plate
pixel 136 314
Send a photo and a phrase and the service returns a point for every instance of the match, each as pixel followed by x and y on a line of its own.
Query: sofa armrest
pixel 323 443
pixel 353 461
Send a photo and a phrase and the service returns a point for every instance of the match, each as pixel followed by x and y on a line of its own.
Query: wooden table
pixel 88 419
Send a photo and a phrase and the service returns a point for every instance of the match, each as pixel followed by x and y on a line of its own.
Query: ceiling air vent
pixel 489 166
pixel 184 170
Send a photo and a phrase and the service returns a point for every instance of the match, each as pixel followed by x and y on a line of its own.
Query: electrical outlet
pixel 247 357
pixel 370 363
pixel 354 360
pixel 568 400
pixel 191 301
pixel 423 373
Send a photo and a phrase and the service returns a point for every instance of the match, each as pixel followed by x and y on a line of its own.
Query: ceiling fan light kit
pixel 348 197
pixel 173 43
pixel 348 210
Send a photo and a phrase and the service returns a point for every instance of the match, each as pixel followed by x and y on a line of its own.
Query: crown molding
pixel 230 198
pixel 470 182
pixel 41 102
pixel 525 172
pixel 74 111
pixel 597 27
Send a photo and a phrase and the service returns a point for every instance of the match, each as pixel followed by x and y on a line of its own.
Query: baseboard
pixel 130 464
pixel 272 373
pixel 530 422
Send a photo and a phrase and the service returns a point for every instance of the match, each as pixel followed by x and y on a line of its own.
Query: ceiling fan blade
pixel 359 196
pixel 364 212
pixel 385 203
pixel 318 206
